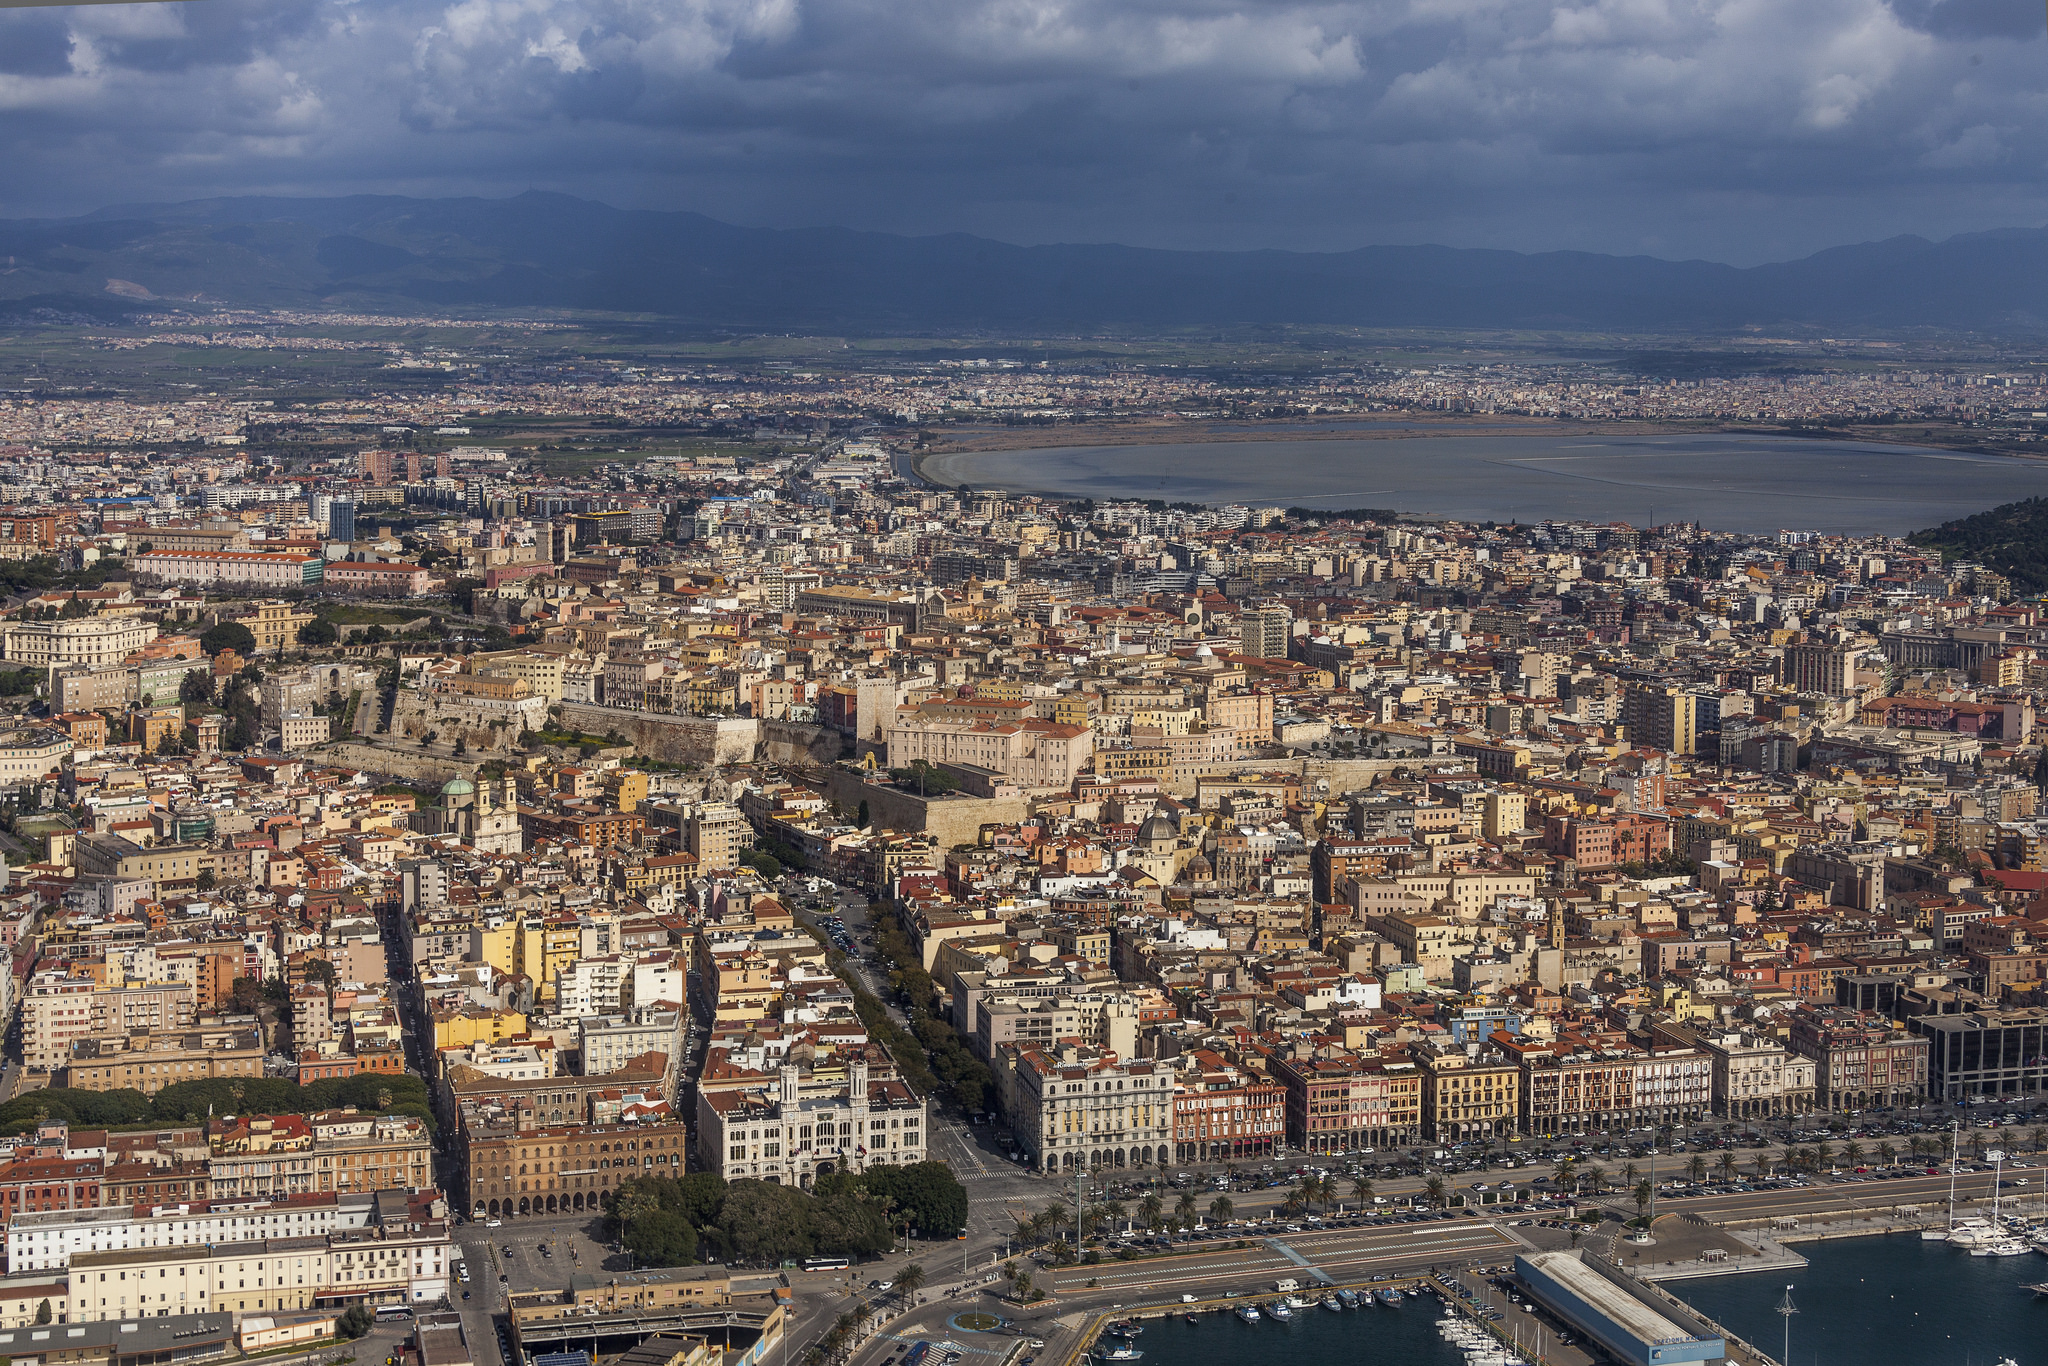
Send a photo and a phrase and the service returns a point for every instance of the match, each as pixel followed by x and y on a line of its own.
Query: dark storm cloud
pixel 1736 129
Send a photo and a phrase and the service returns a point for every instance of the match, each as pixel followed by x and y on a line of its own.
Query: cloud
pixel 1733 129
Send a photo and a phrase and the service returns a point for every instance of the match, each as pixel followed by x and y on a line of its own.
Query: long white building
pixel 48 1242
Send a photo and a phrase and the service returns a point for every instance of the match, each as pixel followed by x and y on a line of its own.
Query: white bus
pixel 826 1264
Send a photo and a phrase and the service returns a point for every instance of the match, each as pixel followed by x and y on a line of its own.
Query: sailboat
pixel 1963 1233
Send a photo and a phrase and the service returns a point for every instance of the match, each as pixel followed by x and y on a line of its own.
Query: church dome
pixel 1157 829
pixel 1198 869
pixel 458 787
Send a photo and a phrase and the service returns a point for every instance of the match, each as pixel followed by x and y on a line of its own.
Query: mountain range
pixel 540 251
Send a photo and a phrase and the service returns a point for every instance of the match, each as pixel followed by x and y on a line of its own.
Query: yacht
pixel 1970 1232
pixel 1348 1298
pixel 1123 1352
pixel 1390 1299
pixel 2000 1245
pixel 1278 1309
pixel 1332 1303
pixel 1295 1302
pixel 1248 1312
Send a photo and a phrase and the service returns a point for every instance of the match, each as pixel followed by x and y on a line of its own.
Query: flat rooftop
pixel 1620 1307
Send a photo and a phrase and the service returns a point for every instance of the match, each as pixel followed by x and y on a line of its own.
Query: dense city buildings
pixel 536 794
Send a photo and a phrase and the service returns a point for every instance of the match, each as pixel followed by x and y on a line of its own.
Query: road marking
pixel 1291 1255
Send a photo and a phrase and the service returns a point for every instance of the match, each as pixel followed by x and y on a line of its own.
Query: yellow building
pixel 626 788
pixel 475 1025
pixel 275 625
pixel 543 948
pixel 497 945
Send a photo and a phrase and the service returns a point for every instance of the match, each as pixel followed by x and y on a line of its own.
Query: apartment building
pixel 147 1061
pixel 58 1010
pixel 48 1242
pixel 94 642
pixel 518 1169
pixel 1079 1108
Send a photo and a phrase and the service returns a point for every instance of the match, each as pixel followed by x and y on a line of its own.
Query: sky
pixel 1731 130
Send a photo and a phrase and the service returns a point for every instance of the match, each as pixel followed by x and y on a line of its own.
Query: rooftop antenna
pixel 1787 1309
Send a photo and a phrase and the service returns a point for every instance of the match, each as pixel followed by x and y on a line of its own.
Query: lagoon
pixel 1723 482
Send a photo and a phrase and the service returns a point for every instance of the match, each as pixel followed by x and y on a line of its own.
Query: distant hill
pixel 549 251
pixel 2011 538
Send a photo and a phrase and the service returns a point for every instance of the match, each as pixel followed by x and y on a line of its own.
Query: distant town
pixel 536 856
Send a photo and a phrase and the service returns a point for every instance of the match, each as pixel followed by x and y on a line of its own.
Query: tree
pixel 1643 1193
pixel 247 995
pixel 1433 1190
pixel 195 686
pixel 1727 1165
pixel 1184 1209
pixel 1361 1191
pixel 318 631
pixel 763 1224
pixel 43 1312
pixel 927 1191
pixel 355 1321
pixel 228 635
pixel 1153 1207
pixel 1852 1153
pixel 909 1281
pixel 1697 1168
pixel 861 818
pixel 1220 1210
pixel 661 1238
pixel 321 971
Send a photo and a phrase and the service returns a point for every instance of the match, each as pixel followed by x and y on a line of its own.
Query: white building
pixel 792 1133
pixel 46 1242
pixel 1085 1108
pixel 92 641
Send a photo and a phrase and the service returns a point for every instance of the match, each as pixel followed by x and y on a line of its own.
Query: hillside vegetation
pixel 2011 538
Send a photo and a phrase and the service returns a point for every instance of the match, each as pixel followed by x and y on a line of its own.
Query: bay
pixel 1897 1299
pixel 1722 482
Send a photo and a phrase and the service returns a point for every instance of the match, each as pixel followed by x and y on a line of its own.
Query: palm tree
pixel 908 1282
pixel 1697 1168
pixel 1433 1190
pixel 1109 1212
pixel 1361 1191
pixel 1887 1154
pixel 1630 1174
pixel 1184 1209
pixel 1292 1205
pixel 1152 1206
pixel 1220 1209
pixel 1305 1194
pixel 1823 1154
pixel 1563 1171
pixel 1598 1176
pixel 1977 1146
pixel 1727 1165
pixel 1852 1153
pixel 1642 1193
